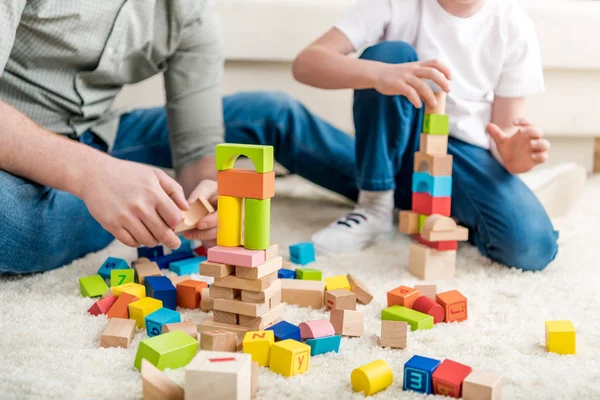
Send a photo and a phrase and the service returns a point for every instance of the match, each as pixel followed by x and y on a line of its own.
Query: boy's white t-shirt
pixel 493 52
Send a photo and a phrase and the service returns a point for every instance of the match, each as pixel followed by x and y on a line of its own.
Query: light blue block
pixel 188 266
pixel 160 317
pixel 324 345
pixel 302 253
pixel 110 264
pixel 436 186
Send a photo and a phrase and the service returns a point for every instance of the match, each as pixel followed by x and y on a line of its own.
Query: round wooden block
pixel 427 306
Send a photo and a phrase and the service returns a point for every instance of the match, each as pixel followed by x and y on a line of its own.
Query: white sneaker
pixel 353 232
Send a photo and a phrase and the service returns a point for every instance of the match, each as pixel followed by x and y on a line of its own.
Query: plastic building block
pixel 347 322
pixel 161 288
pixel 261 156
pixel 416 320
pixel 145 269
pixel 163 262
pixel 393 334
pixel 187 246
pixel 120 309
pixel 246 184
pixel 340 299
pixel 560 337
pixel 103 305
pixel 324 345
pixel 218 340
pixel 427 306
pixel 481 385
pixel 427 290
pixel 448 378
pixel 362 293
pixel 170 350
pixel 289 357
pixel 455 305
pixel 110 264
pixel 118 333
pixel 258 345
pixel 430 264
pixel 260 271
pixel 310 274
pixel 121 276
pixel 157 386
pixel 189 293
pixel 160 317
pixel 139 309
pixel 372 378
pixel 437 165
pixel 445 245
pixel 215 375
pixel 316 329
pixel 409 222
pixel 436 124
pixel 150 252
pixel 92 286
pixel 188 327
pixel 190 218
pixel 402 296
pixel 284 330
pixel 418 373
pixel 236 256
pixel 424 203
pixel 302 253
pixel 436 186
pixel 188 266
pixel 433 144
pixel 135 289
pixel 303 293
pixel 229 215
pixel 286 274
pixel 337 282
pixel 257 224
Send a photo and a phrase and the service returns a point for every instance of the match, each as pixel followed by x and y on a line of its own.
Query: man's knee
pixel 391 53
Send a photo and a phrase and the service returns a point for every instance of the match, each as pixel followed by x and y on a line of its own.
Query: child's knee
pixel 391 53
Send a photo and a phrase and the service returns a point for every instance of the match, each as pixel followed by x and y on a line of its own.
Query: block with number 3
pixel 417 374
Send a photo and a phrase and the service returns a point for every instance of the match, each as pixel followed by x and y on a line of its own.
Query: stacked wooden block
pixel 433 255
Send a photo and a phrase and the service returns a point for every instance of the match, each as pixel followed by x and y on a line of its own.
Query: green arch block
pixel 261 156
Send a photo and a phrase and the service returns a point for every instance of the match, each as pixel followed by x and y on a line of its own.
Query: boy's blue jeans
pixel 43 228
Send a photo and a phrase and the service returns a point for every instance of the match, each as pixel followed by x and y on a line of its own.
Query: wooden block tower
pixel 433 255
pixel 246 291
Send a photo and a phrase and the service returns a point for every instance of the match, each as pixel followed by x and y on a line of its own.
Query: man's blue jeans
pixel 43 228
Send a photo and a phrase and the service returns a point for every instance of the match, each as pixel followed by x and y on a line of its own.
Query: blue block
pixel 286 274
pixel 161 288
pixel 186 246
pixel 150 252
pixel 417 374
pixel 324 345
pixel 110 264
pixel 436 186
pixel 160 317
pixel 188 266
pixel 284 330
pixel 164 261
pixel 302 253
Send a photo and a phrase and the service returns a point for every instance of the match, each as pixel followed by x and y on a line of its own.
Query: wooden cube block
pixel 224 317
pixel 121 276
pixel 416 320
pixel 427 306
pixel 260 271
pixel 362 293
pixel 103 305
pixel 430 264
pixel 258 345
pixel 440 246
pixel 448 378
pixel 337 282
pixel 157 386
pixel 425 204
pixel 481 385
pixel 144 269
pixel 170 350
pixel 436 186
pixel 340 299
pixel 265 295
pixel 303 293
pixel 347 322
pixel 189 293
pixel 216 270
pixel 217 292
pixel 439 228
pixel 187 267
pixel 311 274
pixel 440 107
pixel 190 218
pixel 372 377
pixel 118 333
pixel 254 285
pixel 135 289
pixel 393 334
pixel 324 345
pixel 437 165
pixel 455 305
pixel 409 222
pixel 120 308
pixel 275 314
pixel 289 357
pixel 157 319
pixel 261 156
pixel 418 373
pixel 92 286
pixel 236 256
pixel 402 296
pixel 302 253
pixel 560 336
pixel 246 184
pixel 188 327
pixel 210 325
pixel 316 329
pixel 206 300
pixel 436 124
pixel 284 330
pixel 139 309
pixel 161 288
pixel 257 224
pixel 110 264
pixel 433 144
pixel 218 340
pixel 427 290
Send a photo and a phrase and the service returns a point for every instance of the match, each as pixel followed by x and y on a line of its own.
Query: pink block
pixel 238 256
pixel 103 305
pixel 316 329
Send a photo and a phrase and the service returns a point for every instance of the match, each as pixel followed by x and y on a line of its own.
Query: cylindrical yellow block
pixel 229 221
pixel 372 378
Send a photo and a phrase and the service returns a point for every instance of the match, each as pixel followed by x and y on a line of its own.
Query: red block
pixel 427 306
pixel 448 378
pixel 425 204
pixel 103 305
pixel 441 246
pixel 200 251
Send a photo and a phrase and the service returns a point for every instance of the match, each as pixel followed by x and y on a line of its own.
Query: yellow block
pixel 289 357
pixel 258 345
pixel 372 378
pixel 229 225
pixel 132 288
pixel 337 282
pixel 139 309
pixel 560 337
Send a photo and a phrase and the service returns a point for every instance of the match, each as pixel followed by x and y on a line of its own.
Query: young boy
pixel 485 55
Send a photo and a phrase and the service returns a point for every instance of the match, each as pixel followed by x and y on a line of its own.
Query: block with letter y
pixel 289 357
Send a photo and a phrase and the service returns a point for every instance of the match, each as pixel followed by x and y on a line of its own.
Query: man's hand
pixel 522 150
pixel 139 205
pixel 207 227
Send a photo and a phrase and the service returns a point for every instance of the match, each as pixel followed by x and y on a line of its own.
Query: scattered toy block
pixel 310 274
pixel 166 260
pixel 258 345
pixel 257 224
pixel 337 282
pixel 176 279
pixel 170 350
pixel 454 304
pixel 481 385
pixel 416 320
pixel 188 327
pixel 372 377
pixel 448 378
pixel 440 107
pixel 424 203
pixel 436 165
pixel 210 325
pixel 286 274
pixel 139 309
pixel 303 293
pixel 217 292
pixel 133 288
pixel 216 270
pixel 436 186
pixel 439 228
pixel 253 285
pixel 201 251
pixel 207 303
pixel 218 340
pixel 261 156
pixel 246 184
pixel 260 271
pixel 302 253
pixel 275 314
pixel 145 269
pixel 284 330
pixel 418 373
pixel 427 290
pixel 440 246
pixel 229 216
pixel 272 251
pixel 223 317
pixel 265 295
pixel 157 319
pixel 316 329
pixel 92 286
pixel 409 222
pixel 238 256
pixel 436 124
pixel 110 264
pixel 340 299
pixel 362 293
pixel 393 334
pixel 213 375
pixel 103 305
pixel 157 386
pixel 120 308
pixel 150 252
pixel 188 266
pixel 187 246
pixel 347 322
pixel 190 218
pixel 189 293
pixel 402 296
pixel 430 264
pixel 118 333
pixel 121 276
pixel 254 379
pixel 560 336
pixel 236 306
pixel 427 306
pixel 289 357
pixel 324 345
pixel 433 145
pixel 161 288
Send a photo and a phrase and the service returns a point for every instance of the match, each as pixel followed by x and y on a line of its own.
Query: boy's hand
pixel 139 205
pixel 523 150
pixel 207 227
pixel 409 80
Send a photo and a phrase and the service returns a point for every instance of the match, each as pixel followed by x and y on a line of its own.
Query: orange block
pixel 121 307
pixel 402 296
pixel 189 293
pixel 455 305
pixel 246 184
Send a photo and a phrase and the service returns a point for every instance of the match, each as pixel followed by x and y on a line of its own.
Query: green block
pixel 170 350
pixel 121 276
pixel 92 286
pixel 436 124
pixel 309 274
pixel 416 320
pixel 422 219
pixel 257 224
pixel 261 156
